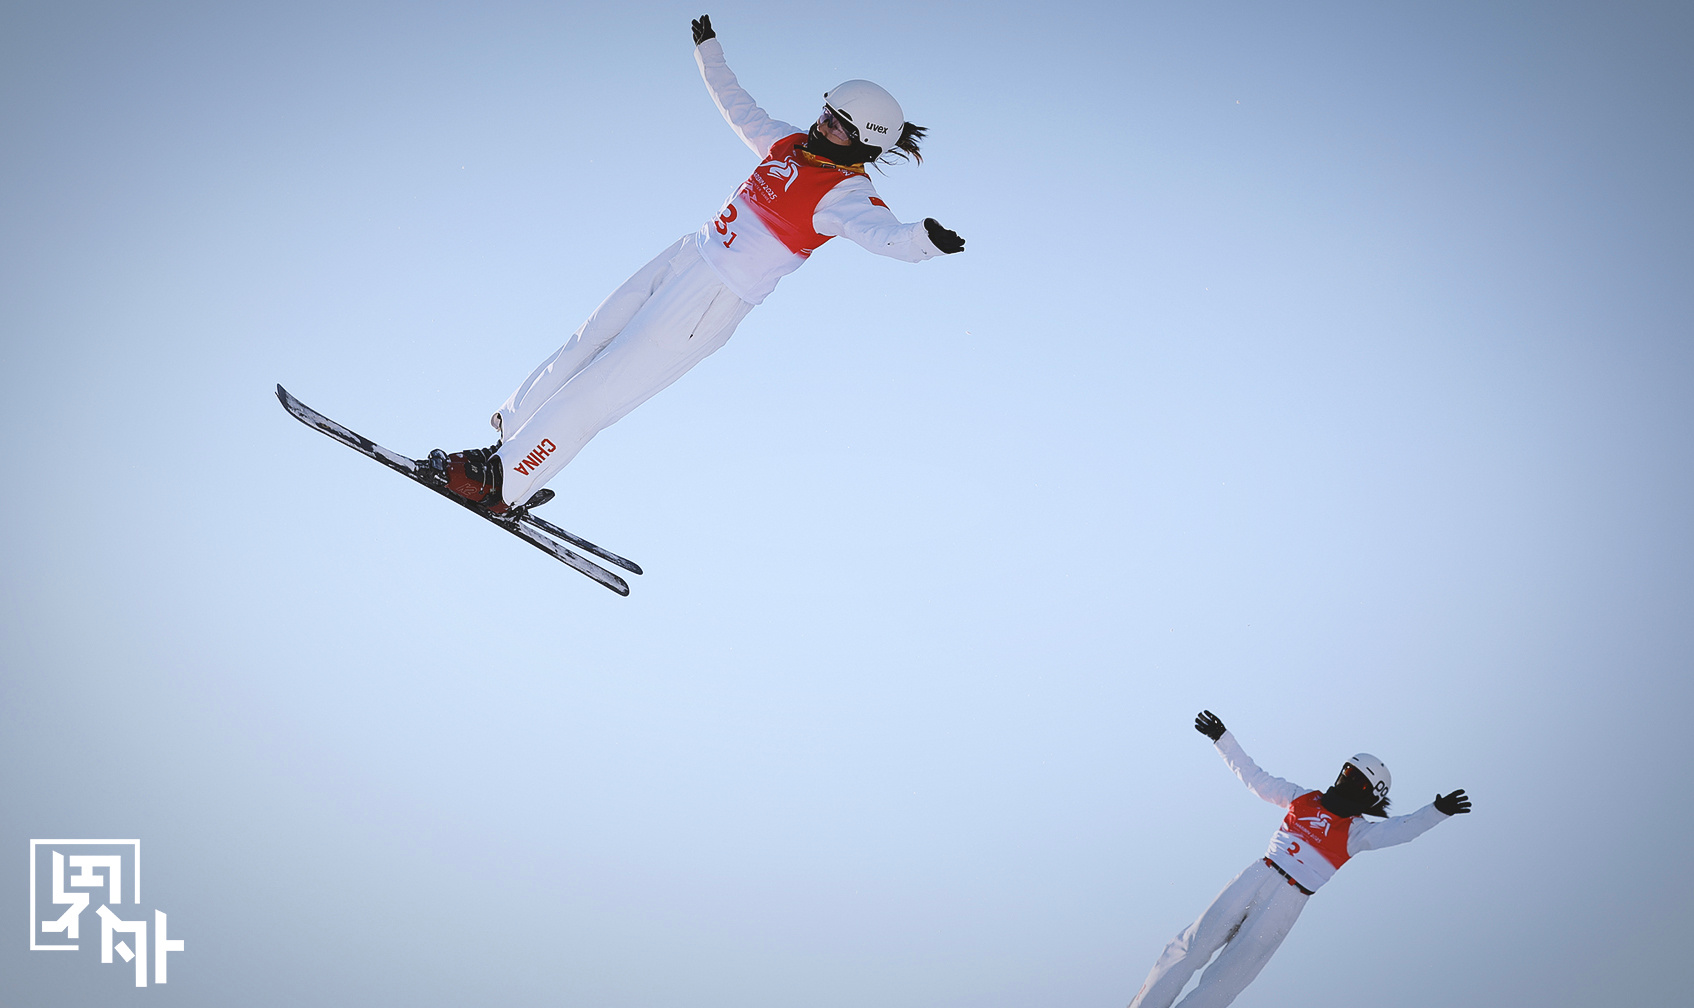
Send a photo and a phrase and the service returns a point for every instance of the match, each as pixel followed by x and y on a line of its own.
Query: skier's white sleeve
pixel 1366 835
pixel 853 211
pixel 756 129
pixel 1275 790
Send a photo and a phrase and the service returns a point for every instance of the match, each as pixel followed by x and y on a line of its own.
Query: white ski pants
pixel 1248 921
pixel 668 317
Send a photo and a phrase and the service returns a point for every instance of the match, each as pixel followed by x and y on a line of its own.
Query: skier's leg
pixel 1274 911
pixel 607 321
pixel 1201 939
pixel 687 319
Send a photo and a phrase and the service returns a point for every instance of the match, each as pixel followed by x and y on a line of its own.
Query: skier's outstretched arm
pixel 1273 789
pixel 852 210
pixel 1367 835
pixel 756 129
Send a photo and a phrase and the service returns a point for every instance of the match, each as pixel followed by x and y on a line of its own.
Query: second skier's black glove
pixel 943 239
pixel 702 26
pixel 1452 804
pixel 1207 724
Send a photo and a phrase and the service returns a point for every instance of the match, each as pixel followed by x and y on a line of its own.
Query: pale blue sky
pixel 1321 366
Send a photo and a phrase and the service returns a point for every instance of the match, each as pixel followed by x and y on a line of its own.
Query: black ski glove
pixel 1452 804
pixel 1207 724
pixel 702 26
pixel 943 239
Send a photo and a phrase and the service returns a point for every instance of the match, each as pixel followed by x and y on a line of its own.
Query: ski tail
pixel 580 543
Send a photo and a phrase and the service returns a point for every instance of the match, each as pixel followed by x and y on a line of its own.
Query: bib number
pixel 722 224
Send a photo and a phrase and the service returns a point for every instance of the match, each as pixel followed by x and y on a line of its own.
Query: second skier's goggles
pixel 832 118
pixel 1352 776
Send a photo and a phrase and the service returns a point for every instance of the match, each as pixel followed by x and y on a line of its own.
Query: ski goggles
pixel 1352 776
pixel 832 118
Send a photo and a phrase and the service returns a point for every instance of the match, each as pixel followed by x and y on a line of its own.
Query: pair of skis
pixel 538 532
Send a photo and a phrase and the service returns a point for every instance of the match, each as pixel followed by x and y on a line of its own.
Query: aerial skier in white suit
pixel 1249 919
pixel 682 306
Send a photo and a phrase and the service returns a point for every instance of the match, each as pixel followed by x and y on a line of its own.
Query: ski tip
pixel 282 395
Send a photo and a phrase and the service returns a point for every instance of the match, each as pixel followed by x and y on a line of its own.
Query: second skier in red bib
pixel 1322 831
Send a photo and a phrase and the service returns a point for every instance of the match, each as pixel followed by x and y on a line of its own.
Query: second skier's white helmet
pixel 1374 770
pixel 869 109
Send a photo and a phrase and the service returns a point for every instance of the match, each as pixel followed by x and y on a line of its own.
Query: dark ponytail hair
pixel 859 152
pixel 907 146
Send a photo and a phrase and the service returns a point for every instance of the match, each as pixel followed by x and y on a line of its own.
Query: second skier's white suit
pixel 686 303
pixel 1252 915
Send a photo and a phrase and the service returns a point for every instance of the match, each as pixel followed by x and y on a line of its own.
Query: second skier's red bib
pixel 1312 842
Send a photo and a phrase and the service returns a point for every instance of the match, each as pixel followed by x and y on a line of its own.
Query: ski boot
pixel 473 474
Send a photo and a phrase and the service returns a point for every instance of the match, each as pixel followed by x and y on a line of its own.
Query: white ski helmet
pixel 868 109
pixel 1374 770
